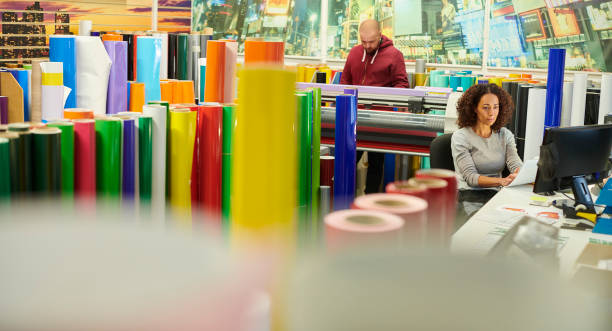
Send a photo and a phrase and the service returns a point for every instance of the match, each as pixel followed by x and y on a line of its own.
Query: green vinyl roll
pixel 14 144
pixel 145 157
pixel 304 130
pixel 108 157
pixel 182 54
pixel 316 157
pixel 67 138
pixel 5 169
pixel 226 163
pixel 46 155
pixel 26 165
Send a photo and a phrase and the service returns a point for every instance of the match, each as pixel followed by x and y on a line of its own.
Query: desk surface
pixel 485 228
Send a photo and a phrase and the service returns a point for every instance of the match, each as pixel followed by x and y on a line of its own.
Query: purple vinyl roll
pixel 3 110
pixel 129 165
pixel 116 100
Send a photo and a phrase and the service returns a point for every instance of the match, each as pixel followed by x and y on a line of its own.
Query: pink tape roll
pixel 354 228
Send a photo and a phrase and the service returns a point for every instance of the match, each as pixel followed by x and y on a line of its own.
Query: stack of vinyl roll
pixel 320 73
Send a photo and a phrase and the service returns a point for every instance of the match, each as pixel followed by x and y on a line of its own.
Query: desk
pixel 485 228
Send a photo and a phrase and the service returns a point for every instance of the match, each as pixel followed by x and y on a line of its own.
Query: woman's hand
pixel 507 180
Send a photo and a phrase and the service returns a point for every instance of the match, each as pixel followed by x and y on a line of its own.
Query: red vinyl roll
pixel 327 174
pixel 360 229
pixel 411 209
pixel 451 192
pixel 405 187
pixel 209 155
pixel 436 215
pixel 84 158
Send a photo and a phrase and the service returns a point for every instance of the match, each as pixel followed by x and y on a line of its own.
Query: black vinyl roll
pixel 591 109
pixel 172 47
pixel 130 60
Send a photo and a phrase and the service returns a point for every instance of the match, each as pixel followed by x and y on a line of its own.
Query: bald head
pixel 370 34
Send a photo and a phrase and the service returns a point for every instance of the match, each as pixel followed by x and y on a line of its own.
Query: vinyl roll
pixel 204 38
pixel 52 91
pixel 117 80
pixel 521 116
pixel 130 39
pixel 579 99
pixel 46 156
pixel 316 150
pixel 108 157
pixel 182 139
pixel 345 149
pixel 554 87
pixel 36 91
pixel 535 123
pixel 263 52
pixel 128 159
pixel 452 193
pixel 163 69
pixel 327 171
pixel 182 54
pixel 67 156
pixel 14 160
pixel 186 92
pixel 436 212
pixel 467 82
pixel 566 109
pixel 23 161
pixel 137 96
pixel 605 101
pixel 21 76
pixel 112 37
pixel 496 80
pixel 408 188
pixel 455 82
pixel 362 229
pixel 166 94
pixel 4 109
pixel 263 205
pixel 226 161
pixel 193 54
pixel 210 161
pixel 215 71
pixel 84 158
pixel 78 113
pixel 5 169
pixel 202 87
pixel 591 111
pixel 159 113
pixel 145 157
pixel 93 68
pixel 419 66
pixel 172 56
pixel 149 59
pixel 419 79
pixel 304 129
pixel 63 49
pixel 325 203
pixel 229 76
pixel 85 27
pixel 412 210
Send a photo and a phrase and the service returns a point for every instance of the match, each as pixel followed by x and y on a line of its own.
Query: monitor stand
pixel 581 192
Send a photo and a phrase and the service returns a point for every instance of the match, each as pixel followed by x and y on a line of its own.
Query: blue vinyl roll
pixel 129 165
pixel 337 77
pixel 22 78
pixel 63 49
pixel 455 82
pixel 148 59
pixel 554 87
pixel 352 91
pixel 467 82
pixel 345 150
pixel 389 169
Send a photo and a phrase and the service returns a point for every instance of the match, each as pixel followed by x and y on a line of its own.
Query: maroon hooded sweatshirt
pixel 385 67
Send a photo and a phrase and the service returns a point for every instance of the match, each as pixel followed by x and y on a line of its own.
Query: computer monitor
pixel 570 156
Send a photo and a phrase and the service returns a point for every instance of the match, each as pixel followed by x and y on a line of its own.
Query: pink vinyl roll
pixel 411 209
pixel 451 192
pixel 436 212
pixel 405 187
pixel 353 228
pixel 84 158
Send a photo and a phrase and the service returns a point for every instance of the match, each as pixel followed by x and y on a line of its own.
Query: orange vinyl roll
pixel 186 92
pixel 78 113
pixel 269 52
pixel 215 71
pixel 112 37
pixel 137 96
pixel 166 91
pixel 177 96
pixel 526 75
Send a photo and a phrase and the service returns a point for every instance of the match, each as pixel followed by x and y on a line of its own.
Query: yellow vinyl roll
pixel 419 79
pixel 310 71
pixel 328 74
pixel 264 163
pixel 496 80
pixel 515 75
pixel 301 73
pixel 182 138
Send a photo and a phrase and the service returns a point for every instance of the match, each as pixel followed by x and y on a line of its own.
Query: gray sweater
pixel 476 156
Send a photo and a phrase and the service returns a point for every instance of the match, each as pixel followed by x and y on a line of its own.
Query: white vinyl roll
pixel 93 69
pixel 450 115
pixel 566 105
pixel 231 53
pixel 158 171
pixel 52 91
pixel 579 99
pixel 85 28
pixel 163 69
pixel 605 100
pixel 534 131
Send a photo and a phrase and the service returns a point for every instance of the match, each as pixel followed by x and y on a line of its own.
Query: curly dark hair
pixel 467 104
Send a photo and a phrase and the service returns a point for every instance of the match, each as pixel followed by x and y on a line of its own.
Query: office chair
pixel 440 152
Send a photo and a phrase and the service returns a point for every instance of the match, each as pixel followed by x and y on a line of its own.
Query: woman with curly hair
pixel 483 147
